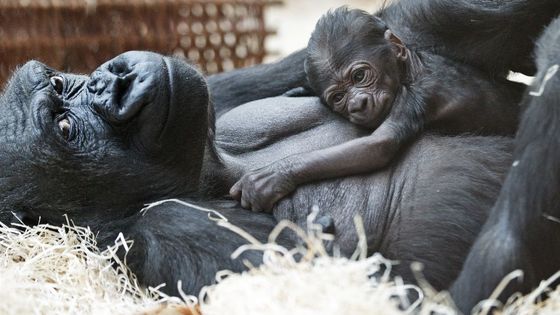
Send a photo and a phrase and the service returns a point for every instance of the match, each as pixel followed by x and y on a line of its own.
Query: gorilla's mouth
pixel 366 116
pixel 187 99
pixel 125 86
pixel 171 103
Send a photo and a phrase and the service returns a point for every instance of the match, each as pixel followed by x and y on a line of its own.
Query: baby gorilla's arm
pixel 260 189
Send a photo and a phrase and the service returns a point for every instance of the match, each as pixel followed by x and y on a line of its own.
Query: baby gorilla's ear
pixel 398 46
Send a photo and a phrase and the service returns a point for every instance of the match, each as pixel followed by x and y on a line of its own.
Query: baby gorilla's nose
pixel 359 103
pixel 124 85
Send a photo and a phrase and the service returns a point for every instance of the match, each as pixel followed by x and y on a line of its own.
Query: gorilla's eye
pixel 358 76
pixel 65 127
pixel 58 84
pixel 338 97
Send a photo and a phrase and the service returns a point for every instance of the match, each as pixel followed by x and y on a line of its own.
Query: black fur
pixel 496 36
pixel 173 242
pixel 523 230
pixel 271 80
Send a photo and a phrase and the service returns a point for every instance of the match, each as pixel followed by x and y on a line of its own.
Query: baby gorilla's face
pixel 131 132
pixel 354 64
pixel 362 92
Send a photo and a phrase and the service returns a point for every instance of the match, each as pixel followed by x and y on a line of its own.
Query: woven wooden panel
pixel 78 35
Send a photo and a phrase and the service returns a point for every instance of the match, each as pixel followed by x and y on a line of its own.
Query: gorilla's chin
pixel 187 116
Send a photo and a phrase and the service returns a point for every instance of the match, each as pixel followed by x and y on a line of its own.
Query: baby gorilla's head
pixel 354 65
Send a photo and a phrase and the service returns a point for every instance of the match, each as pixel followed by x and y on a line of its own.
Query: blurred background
pixel 218 35
pixel 294 21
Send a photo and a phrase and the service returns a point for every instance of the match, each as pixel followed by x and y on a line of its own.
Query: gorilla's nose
pixel 122 86
pixel 359 103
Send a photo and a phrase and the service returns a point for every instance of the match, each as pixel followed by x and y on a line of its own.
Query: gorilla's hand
pixel 260 189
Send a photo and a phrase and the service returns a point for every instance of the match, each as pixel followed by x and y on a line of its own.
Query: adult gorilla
pixel 137 130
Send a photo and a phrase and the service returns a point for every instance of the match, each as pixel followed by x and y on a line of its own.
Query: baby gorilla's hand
pixel 260 189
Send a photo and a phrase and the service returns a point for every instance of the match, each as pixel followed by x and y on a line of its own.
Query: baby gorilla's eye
pixel 359 76
pixel 338 97
pixel 58 84
pixel 65 127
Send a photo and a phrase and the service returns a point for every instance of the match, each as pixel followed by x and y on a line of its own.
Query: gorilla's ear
pixel 398 46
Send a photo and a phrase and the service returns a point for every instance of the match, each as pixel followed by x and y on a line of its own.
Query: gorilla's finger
pixel 235 191
pixel 245 204
pixel 257 208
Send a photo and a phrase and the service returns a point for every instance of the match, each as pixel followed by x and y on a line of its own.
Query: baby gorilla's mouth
pixel 362 112
pixel 361 119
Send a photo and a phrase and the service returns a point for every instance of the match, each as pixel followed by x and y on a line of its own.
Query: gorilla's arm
pixel 175 242
pixel 237 87
pixel 480 33
pixel 523 230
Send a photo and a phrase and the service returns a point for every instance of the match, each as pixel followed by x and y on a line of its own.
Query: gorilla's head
pixel 131 132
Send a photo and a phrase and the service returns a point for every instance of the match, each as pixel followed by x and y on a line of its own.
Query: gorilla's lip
pixel 170 92
pixel 185 95
pixel 364 117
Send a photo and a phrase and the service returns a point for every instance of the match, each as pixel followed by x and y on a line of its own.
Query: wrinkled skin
pixel 259 189
pixel 363 92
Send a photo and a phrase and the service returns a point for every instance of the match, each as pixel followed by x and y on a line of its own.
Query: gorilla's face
pixel 132 132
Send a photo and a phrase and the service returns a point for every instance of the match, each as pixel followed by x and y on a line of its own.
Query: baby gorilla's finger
pixel 235 191
pixel 257 208
pixel 268 202
pixel 245 203
pixel 256 203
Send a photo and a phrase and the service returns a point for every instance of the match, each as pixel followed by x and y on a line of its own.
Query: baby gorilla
pixel 364 72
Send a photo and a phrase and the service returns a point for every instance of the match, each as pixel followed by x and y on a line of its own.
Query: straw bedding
pixel 60 270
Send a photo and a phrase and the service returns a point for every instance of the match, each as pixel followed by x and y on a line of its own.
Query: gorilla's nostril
pixel 123 83
pixel 57 83
pixel 359 104
pixel 363 103
pixel 122 88
pixel 118 67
